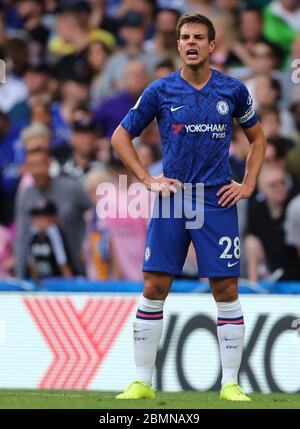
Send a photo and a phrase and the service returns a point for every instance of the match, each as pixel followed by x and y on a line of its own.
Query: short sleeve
pixel 143 112
pixel 244 111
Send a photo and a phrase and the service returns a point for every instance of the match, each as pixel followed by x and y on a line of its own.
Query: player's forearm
pixel 122 144
pixel 254 161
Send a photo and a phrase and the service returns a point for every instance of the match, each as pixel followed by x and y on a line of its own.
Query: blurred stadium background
pixel 69 72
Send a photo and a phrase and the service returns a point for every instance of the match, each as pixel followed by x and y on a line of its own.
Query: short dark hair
pixel 198 19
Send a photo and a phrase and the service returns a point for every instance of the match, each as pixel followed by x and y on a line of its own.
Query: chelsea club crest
pixel 222 107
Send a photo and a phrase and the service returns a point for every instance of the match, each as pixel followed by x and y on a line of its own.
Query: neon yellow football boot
pixel 232 392
pixel 137 390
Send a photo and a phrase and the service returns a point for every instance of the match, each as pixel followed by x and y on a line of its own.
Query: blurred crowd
pixel 72 71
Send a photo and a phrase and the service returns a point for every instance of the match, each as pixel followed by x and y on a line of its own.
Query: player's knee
pixel 224 290
pixel 155 286
pixel 227 294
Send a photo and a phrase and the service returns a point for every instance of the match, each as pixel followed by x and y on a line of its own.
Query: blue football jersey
pixel 195 125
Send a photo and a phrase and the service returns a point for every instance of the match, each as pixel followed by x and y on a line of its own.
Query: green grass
pixel 105 400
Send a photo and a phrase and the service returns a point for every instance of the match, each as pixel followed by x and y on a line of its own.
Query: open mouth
pixel 192 53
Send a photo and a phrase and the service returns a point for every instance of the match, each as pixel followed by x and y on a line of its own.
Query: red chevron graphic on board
pixel 79 340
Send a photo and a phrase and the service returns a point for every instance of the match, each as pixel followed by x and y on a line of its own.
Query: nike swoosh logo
pixel 173 109
pixel 232 265
pixel 142 330
pixel 230 339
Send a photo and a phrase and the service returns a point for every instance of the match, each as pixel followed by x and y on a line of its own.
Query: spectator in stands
pixel 36 136
pixel 6 253
pixel 164 42
pixel 282 22
pixel 31 14
pixel 83 142
pixel 71 94
pixel 47 255
pixel 295 54
pixel 225 39
pixel 96 248
pixel 14 93
pixel 294 107
pixel 39 81
pixel 98 16
pixel 110 113
pixel 40 110
pixel 97 57
pixel 250 22
pixel 270 121
pixel 267 255
pixel 125 231
pixel 11 158
pixel 277 150
pixel 292 226
pixel 132 32
pixel 74 30
pixel 266 91
pixel 145 8
pixel 293 162
pixel 262 57
pixel 75 34
pixel 292 73
pixel 70 199
pixel 251 27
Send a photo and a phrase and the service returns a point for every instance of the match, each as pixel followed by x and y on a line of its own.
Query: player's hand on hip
pixel 163 185
pixel 232 193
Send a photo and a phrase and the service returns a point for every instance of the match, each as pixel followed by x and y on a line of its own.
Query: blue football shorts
pixel 216 242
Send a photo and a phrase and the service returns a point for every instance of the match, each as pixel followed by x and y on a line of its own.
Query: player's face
pixel 193 45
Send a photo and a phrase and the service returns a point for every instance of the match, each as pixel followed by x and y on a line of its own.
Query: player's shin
pixel 231 332
pixel 147 330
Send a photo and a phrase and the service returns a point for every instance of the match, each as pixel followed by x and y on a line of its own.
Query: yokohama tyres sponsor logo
pixel 199 128
pixel 79 340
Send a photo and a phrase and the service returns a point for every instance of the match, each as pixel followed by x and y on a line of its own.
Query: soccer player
pixel 194 107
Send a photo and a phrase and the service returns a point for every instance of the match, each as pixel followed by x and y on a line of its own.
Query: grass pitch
pixel 54 399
